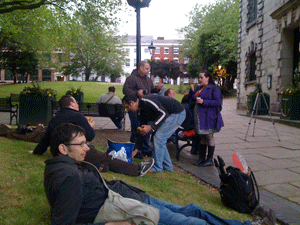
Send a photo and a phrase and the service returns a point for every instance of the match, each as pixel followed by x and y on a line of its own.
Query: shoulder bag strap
pixel 109 99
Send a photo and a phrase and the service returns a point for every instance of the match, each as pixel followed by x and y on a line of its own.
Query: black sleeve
pixel 43 145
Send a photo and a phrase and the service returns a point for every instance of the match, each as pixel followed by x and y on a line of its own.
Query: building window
pixel 46 75
pixel 146 50
pixel 166 50
pixel 128 63
pixel 166 58
pixel 176 60
pixel 252 11
pixel 8 75
pixel 251 63
pixel 176 50
pixel 134 50
pixel 157 50
pixel 127 49
pixel 157 58
pixel 35 76
pixel 134 62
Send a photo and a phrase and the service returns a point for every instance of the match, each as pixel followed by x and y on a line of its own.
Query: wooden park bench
pixel 11 105
pixel 97 110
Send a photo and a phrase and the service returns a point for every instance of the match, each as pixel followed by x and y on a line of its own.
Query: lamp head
pixel 139 3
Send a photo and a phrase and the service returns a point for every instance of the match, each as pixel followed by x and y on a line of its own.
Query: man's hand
pixel 193 87
pixel 199 100
pixel 91 122
pixel 141 93
pixel 159 86
pixel 145 129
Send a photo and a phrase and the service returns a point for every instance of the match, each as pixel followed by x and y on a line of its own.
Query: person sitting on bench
pixel 110 98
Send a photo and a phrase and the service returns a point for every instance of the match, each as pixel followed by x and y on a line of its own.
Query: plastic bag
pixel 121 154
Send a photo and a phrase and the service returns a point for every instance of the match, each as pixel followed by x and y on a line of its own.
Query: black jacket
pixel 155 109
pixel 76 193
pixel 65 115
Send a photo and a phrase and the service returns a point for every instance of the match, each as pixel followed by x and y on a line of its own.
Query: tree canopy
pixel 83 32
pixel 211 38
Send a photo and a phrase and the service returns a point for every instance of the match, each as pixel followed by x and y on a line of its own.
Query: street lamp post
pixel 138 4
pixel 151 48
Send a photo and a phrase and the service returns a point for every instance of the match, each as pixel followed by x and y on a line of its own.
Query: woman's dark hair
pixel 211 79
pixel 63 134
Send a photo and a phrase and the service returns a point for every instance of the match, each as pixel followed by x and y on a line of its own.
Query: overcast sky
pixel 161 18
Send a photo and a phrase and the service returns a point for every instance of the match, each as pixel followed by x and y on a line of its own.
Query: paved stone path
pixel 276 164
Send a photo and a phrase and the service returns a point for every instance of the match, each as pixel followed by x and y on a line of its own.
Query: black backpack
pixel 238 190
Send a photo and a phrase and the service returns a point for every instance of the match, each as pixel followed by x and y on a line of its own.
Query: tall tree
pixel 211 38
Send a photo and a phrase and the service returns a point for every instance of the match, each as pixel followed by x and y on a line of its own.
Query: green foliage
pixel 212 35
pixel 37 90
pixel 84 28
pixel 165 68
pixel 73 91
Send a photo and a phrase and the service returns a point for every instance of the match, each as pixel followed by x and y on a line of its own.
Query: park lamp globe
pixel 139 3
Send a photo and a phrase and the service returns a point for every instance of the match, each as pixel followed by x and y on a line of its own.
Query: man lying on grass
pixel 76 192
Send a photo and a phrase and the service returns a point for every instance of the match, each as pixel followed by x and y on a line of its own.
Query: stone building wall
pixel 270 36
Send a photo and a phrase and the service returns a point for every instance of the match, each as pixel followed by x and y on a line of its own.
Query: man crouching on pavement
pixel 76 192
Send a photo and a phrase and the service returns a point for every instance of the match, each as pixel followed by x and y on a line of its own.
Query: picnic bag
pixel 239 190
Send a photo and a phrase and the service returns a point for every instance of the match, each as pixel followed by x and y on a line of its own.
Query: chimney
pixel 160 38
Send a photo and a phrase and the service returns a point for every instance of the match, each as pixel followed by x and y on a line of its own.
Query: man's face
pixel 171 93
pixel 77 148
pixel 132 107
pixel 74 105
pixel 144 70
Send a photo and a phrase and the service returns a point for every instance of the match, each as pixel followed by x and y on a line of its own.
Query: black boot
pixel 202 154
pixel 195 146
pixel 209 160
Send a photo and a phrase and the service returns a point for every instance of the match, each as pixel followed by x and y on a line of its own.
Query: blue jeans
pixel 161 154
pixel 133 116
pixel 172 214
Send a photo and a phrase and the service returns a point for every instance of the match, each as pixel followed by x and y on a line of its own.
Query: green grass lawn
pixel 92 90
pixel 23 200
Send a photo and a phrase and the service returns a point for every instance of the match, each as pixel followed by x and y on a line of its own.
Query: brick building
pixel 268 47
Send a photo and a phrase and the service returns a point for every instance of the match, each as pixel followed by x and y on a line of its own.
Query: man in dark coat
pixel 139 84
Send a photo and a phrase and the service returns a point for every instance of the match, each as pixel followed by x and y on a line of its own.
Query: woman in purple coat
pixel 206 100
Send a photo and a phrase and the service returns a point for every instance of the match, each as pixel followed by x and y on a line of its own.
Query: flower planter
pixel 290 107
pixel 35 110
pixel 262 107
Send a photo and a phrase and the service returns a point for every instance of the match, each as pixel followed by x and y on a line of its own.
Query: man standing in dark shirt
pixel 162 115
pixel 139 84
